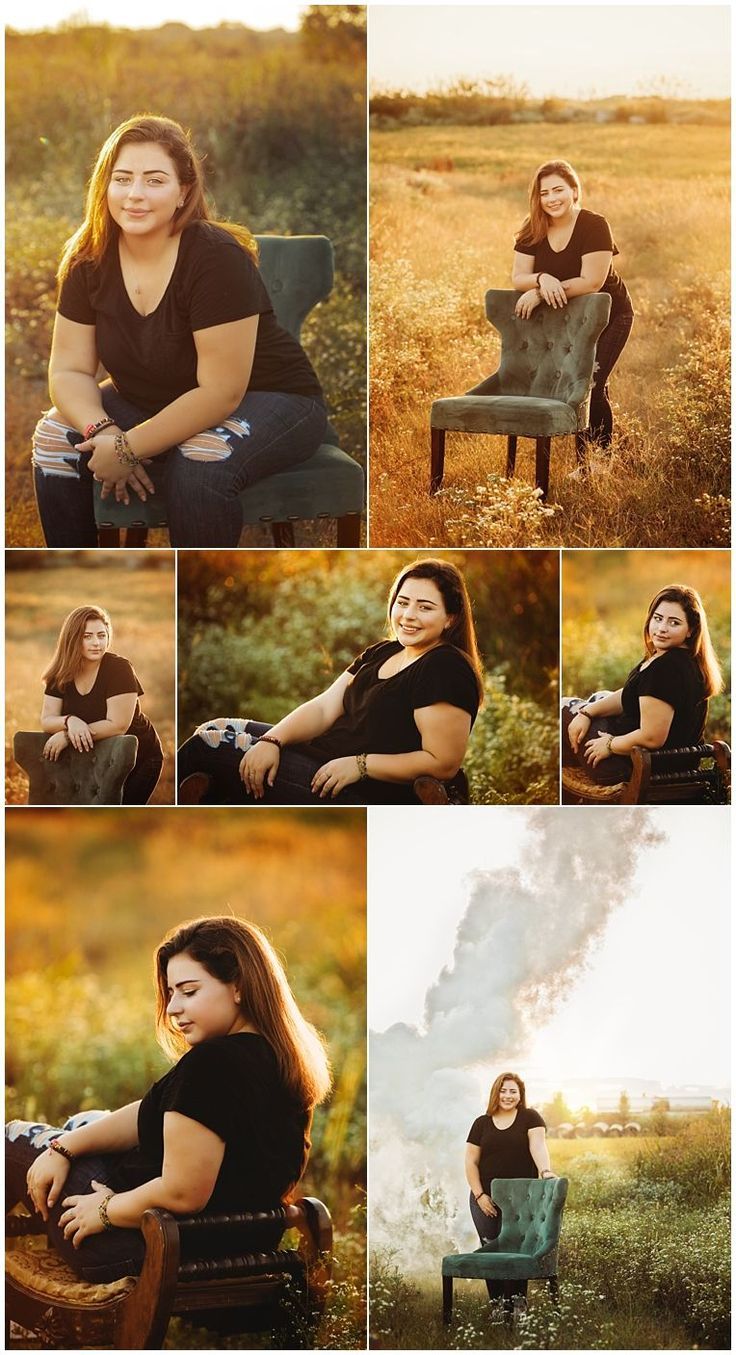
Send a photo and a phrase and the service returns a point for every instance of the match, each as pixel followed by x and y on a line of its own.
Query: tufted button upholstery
pixel 77 778
pixel 526 1248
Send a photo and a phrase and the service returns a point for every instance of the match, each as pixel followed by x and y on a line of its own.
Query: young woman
pixel 563 250
pixel 509 1141
pixel 404 708
pixel 226 1129
pixel 664 701
pixel 92 694
pixel 206 393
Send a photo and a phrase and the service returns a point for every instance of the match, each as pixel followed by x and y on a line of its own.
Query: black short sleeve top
pixel 591 234
pixel 673 677
pixel 504 1153
pixel 379 712
pixel 232 1085
pixel 115 677
pixel 152 359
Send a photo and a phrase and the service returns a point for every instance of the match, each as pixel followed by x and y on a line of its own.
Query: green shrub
pixel 513 750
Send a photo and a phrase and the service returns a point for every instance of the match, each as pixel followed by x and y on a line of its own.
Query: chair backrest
pixel 298 271
pixel 551 355
pixel 531 1213
pixel 95 778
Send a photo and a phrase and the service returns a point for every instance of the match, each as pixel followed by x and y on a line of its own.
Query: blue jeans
pixel 277 431
pixel 610 346
pixel 488 1227
pixel 292 785
pixel 103 1256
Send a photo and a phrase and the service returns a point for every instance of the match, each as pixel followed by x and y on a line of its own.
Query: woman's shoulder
pixel 588 218
pixel 379 651
pixel 203 238
pixel 115 663
pixel 532 1118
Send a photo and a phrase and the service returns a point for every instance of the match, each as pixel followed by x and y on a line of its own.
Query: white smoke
pixel 524 937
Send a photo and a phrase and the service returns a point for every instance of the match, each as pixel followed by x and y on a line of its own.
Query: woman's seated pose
pixel 509 1141
pixel 92 694
pixel 226 1129
pixel 664 701
pixel 206 393
pixel 403 709
pixel 563 250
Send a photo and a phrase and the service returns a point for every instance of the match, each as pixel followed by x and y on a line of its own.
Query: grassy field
pixel 445 203
pixel 88 933
pixel 605 596
pixel 644 1258
pixel 141 604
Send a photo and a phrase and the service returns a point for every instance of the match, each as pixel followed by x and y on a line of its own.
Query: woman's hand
pixel 81 1217
pixel 485 1203
pixel 597 750
pixel 80 735
pixel 528 302
pixel 334 776
pixel 259 766
pixel 45 1180
pixel 54 747
pixel 552 291
pixel 577 729
pixel 113 475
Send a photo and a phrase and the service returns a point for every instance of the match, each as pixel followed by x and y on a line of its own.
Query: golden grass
pixel 141 603
pixel 445 204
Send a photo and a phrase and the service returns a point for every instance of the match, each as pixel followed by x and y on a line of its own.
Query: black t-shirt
pixel 379 712
pixel 504 1153
pixel 673 677
pixel 232 1085
pixel 115 677
pixel 590 234
pixel 152 359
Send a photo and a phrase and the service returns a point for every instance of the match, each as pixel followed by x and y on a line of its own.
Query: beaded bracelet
pixel 98 427
pixel 102 1211
pixel 269 738
pixel 361 759
pixel 59 1148
pixel 124 452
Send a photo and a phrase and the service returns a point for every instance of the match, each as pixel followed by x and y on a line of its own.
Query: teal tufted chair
pixel 542 387
pixel 526 1247
pixel 298 271
pixel 95 778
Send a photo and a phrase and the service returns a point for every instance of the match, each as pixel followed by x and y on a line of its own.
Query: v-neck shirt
pixel 115 677
pixel 152 359
pixel 505 1153
pixel 675 678
pixel 591 234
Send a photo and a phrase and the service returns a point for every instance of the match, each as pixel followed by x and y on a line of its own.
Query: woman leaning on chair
pixel 403 709
pixel 206 393
pixel 227 1128
pixel 563 250
pixel 664 700
pixel 92 694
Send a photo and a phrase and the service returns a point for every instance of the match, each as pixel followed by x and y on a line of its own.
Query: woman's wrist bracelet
pixel 271 738
pixel 609 740
pixel 362 761
pixel 124 452
pixel 102 1211
pixel 92 428
pixel 57 1147
pixel 547 1172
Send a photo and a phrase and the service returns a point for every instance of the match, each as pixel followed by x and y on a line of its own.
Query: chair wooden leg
pixel 554 1291
pixel 438 460
pixel 510 455
pixel 446 1299
pixel 108 536
pixel 508 1303
pixel 282 533
pixel 136 536
pixel 348 530
pixel 542 465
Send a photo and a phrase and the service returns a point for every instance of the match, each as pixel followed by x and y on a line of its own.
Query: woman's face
pixel 668 627
pixel 418 615
pixel 199 1004
pixel 509 1095
pixel 144 190
pixel 95 640
pixel 556 196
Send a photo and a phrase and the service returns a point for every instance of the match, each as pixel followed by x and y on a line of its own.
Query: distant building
pixel 674 1103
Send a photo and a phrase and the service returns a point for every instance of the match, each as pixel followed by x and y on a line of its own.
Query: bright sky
pixel 654 1000
pixel 33 14
pixel 573 50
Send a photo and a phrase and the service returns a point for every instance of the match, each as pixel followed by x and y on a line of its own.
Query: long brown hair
pixel 534 227
pixel 494 1100
pixel 698 642
pixel 93 238
pixel 68 653
pixel 451 584
pixel 238 952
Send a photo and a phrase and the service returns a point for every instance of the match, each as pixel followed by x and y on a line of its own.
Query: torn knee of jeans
pixel 227 730
pixel 52 452
pixel 215 444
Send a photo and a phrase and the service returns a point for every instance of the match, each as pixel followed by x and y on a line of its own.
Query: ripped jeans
pixel 200 480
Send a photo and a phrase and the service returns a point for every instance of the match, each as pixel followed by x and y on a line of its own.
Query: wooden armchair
pixel 686 776
pixel 200 1267
pixel 430 791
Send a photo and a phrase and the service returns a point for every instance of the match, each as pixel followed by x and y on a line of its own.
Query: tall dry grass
pixel 445 203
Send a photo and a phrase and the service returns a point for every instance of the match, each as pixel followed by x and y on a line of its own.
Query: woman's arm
pixel 73 373
pixel 52 720
pixel 472 1176
pixel 523 276
pixel 656 719
pixel 444 731
pixel 580 723
pixel 192 1159
pixel 120 712
pixel 110 1134
pixel 260 764
pixel 539 1150
pixel 593 273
